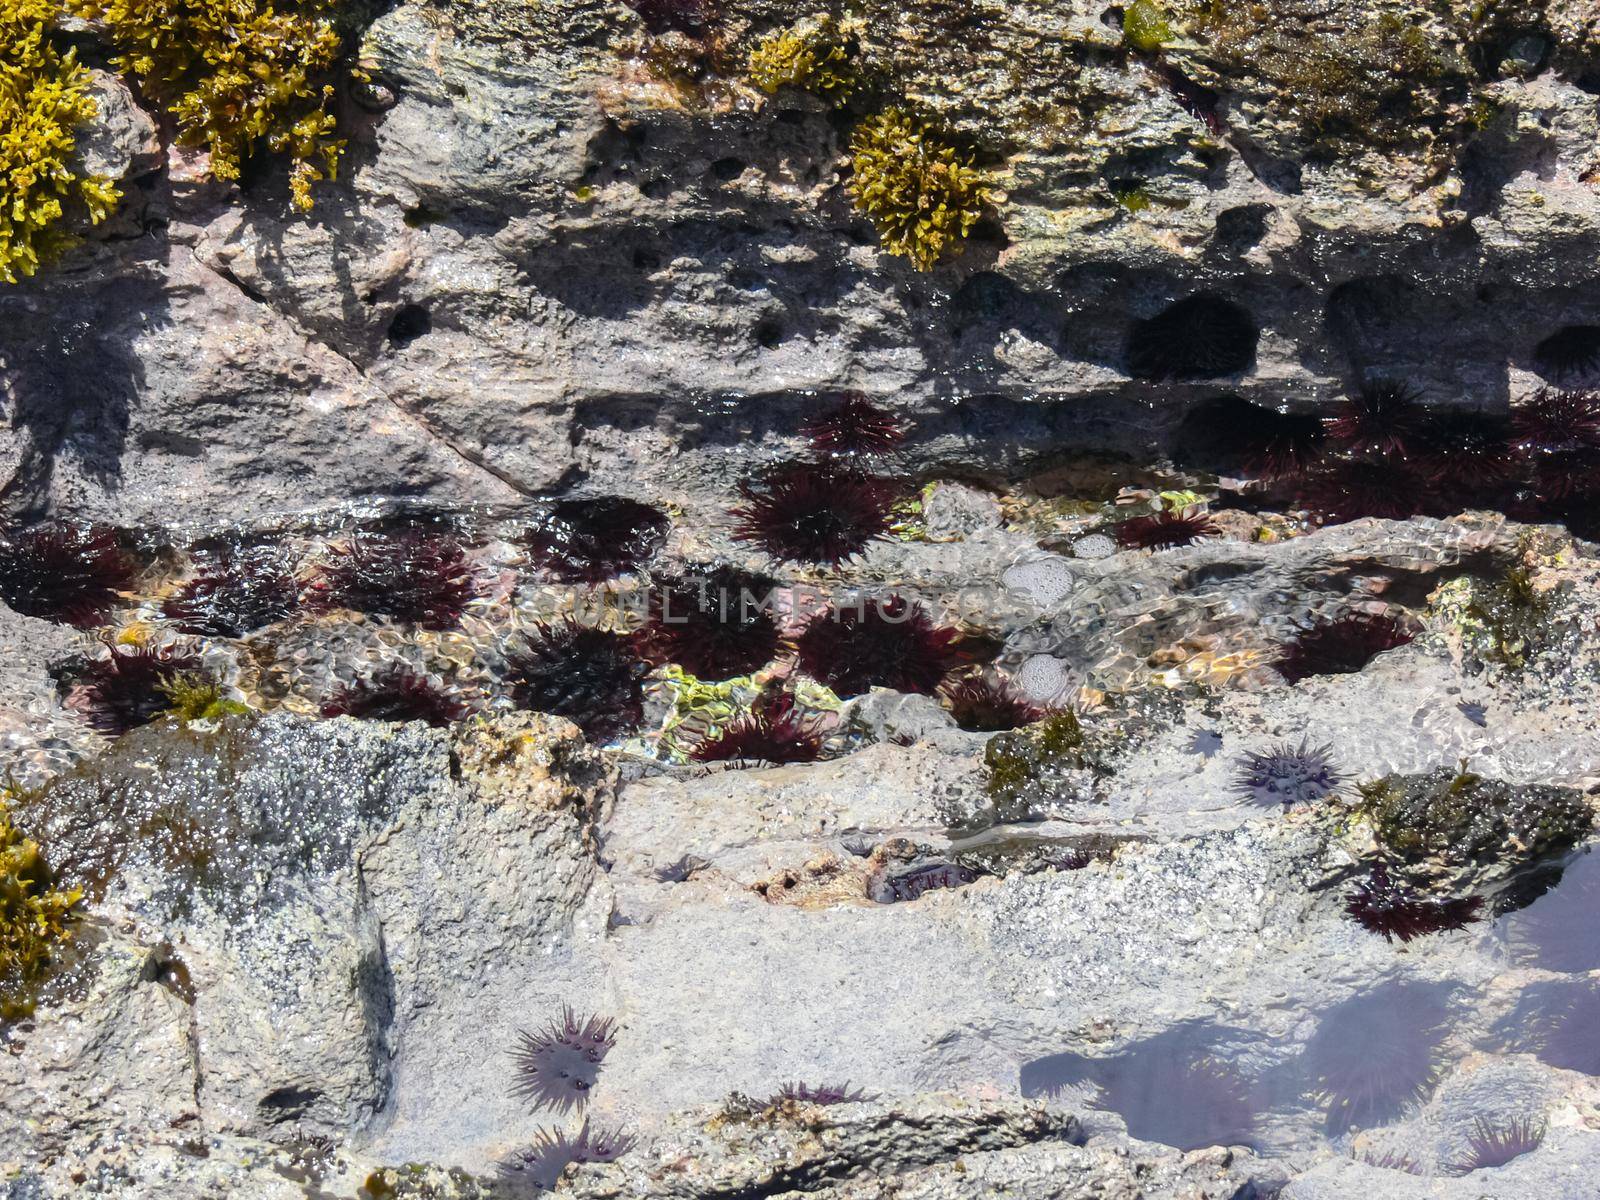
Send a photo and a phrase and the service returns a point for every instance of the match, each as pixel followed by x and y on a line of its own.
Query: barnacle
pixel 539 1166
pixel 43 98
pixel 397 693
pixel 1288 775
pixel 1340 645
pixel 234 74
pixel 66 573
pixel 1572 352
pixel 819 1093
pixel 984 704
pixel 590 541
pixel 814 59
pixel 855 428
pixel 806 513
pixel 887 642
pixel 35 916
pixel 412 575
pixel 775 730
pixel 1491 1146
pixel 130 686
pixel 1384 906
pixel 1165 530
pixel 922 194
pixel 715 625
pixel 1200 337
pixel 590 676
pixel 235 593
pixel 559 1065
pixel 1384 417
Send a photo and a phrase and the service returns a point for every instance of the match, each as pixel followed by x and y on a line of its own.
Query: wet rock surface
pixel 1219 825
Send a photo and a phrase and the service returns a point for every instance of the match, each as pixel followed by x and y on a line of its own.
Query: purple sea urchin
pixel 1385 418
pixel 819 1093
pixel 888 642
pixel 130 686
pixel 813 514
pixel 66 573
pixel 558 1066
pixel 235 593
pixel 714 625
pixel 983 704
pixel 397 693
pixel 590 676
pixel 1201 337
pixel 1165 530
pixel 1288 775
pixel 1382 905
pixel 775 730
pixel 1350 489
pixel 855 429
pixel 1570 353
pixel 539 1166
pixel 1340 645
pixel 1491 1146
pixel 413 575
pixel 590 541
pixel 1556 422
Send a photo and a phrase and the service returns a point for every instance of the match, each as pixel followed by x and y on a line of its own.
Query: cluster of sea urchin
pixel 67 573
pixel 130 686
pixel 1383 905
pixel 1559 435
pixel 590 676
pixel 1288 775
pixel 774 730
pixel 413 575
pixel 591 541
pixel 887 642
pixel 235 592
pixel 1340 645
pixel 557 1066
pixel 715 624
pixel 397 693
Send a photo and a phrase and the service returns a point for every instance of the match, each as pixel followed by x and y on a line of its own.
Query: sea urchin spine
pixel 130 686
pixel 414 575
pixel 397 693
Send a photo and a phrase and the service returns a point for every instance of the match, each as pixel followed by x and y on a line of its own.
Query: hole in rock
pixel 1201 337
pixel 410 323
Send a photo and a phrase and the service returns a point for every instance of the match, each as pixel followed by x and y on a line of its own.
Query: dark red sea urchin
pixel 1570 353
pixel 128 687
pixel 1558 432
pixel 813 514
pixel 1200 337
pixel 887 642
pixel 559 1065
pixel 819 1093
pixel 1165 530
pixel 714 624
pixel 413 575
pixel 1385 418
pixel 590 676
pixel 1288 775
pixel 982 704
pixel 235 592
pixel 66 573
pixel 397 693
pixel 775 730
pixel 1469 452
pixel 1382 905
pixel 539 1166
pixel 855 429
pixel 590 541
pixel 1340 645
pixel 1350 489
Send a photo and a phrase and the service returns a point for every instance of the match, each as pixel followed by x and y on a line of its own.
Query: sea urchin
pixel 819 1093
pixel 66 573
pixel 397 693
pixel 558 1066
pixel 1288 775
pixel 887 642
pixel 130 686
pixel 590 676
pixel 539 1166
pixel 855 429
pixel 714 625
pixel 814 514
pixel 1201 337
pixel 235 593
pixel 1165 530
pixel 590 541
pixel 1383 905
pixel 1384 418
pixel 981 704
pixel 775 730
pixel 413 575
pixel 1491 1146
pixel 1340 645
